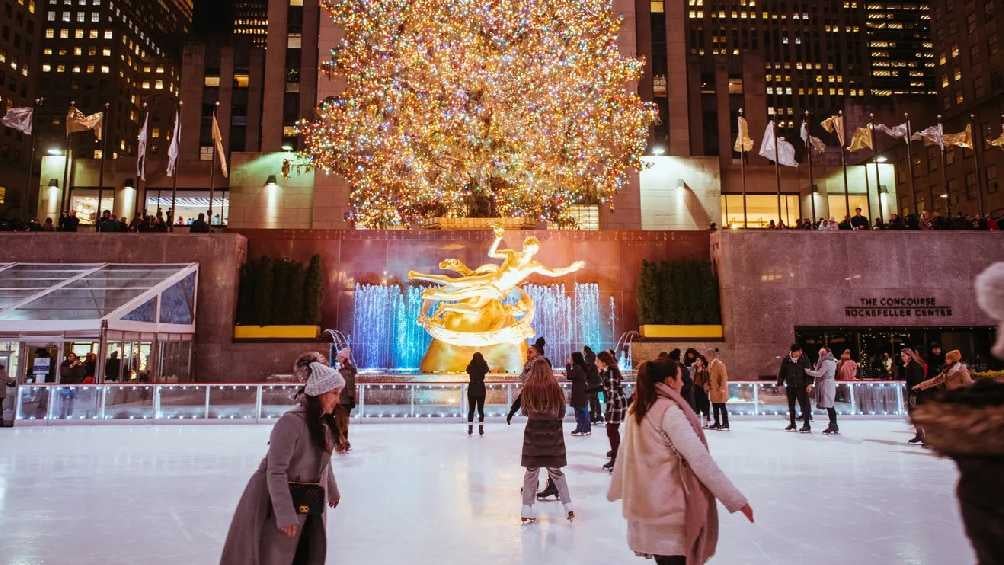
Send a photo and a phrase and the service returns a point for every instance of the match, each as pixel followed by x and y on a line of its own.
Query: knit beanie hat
pixel 323 379
pixel 990 297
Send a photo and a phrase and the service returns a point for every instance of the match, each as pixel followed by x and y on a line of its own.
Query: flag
pixel 218 142
pixel 19 119
pixel 784 149
pixel 999 142
pixel 175 149
pixel 812 143
pixel 898 132
pixel 863 139
pixel 744 143
pixel 76 121
pixel 963 139
pixel 934 135
pixel 835 124
pixel 141 149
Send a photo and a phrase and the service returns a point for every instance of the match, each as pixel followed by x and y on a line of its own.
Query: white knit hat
pixel 323 379
pixel 990 297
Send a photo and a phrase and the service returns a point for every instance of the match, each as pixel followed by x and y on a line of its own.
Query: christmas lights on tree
pixel 460 108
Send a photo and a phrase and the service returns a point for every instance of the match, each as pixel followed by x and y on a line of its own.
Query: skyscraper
pixel 19 46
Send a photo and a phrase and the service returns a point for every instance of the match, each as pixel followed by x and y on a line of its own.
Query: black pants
pixel 832 413
pixel 476 402
pixel 702 402
pixel 595 408
pixel 721 409
pixel 671 560
pixel 614 435
pixel 802 396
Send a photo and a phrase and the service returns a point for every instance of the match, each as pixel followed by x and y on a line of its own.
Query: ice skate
pixel 481 430
pixel 805 429
pixel 609 466
pixel 470 430
pixel 830 432
pixel 550 490
pixel 570 513
pixel 527 516
pixel 790 428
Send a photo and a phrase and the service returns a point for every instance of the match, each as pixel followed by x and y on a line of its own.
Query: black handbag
pixel 308 498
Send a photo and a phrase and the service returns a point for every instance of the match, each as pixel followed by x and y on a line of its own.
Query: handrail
pixel 437 401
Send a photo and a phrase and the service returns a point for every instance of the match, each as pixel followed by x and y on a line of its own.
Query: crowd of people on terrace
pixel 917 222
pixel 158 222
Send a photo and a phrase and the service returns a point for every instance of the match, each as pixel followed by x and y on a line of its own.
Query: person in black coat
pixel 476 392
pixel 796 382
pixel 577 373
pixel 913 374
pixel 595 385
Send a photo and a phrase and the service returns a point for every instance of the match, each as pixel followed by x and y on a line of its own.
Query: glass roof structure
pixel 53 297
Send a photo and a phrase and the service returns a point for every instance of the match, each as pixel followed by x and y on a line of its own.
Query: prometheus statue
pixel 469 313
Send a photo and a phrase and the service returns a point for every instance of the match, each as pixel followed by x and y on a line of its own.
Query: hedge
pixel 678 293
pixel 277 292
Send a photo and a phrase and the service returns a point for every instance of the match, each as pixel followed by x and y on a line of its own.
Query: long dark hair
pixel 478 362
pixel 650 374
pixel 608 359
pixel 578 359
pixel 318 423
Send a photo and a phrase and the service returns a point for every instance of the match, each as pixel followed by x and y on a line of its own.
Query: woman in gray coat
pixel 825 393
pixel 269 527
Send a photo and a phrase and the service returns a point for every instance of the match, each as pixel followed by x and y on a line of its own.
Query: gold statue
pixel 469 312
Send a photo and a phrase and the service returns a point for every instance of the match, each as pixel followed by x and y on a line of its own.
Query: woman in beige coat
pixel 718 389
pixel 666 477
pixel 269 526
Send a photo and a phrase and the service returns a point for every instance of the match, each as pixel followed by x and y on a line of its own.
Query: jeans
pixel 530 484
pixel 583 424
pixel 800 395
pixel 721 409
pixel 477 402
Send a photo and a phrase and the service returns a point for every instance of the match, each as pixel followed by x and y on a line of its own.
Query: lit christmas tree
pixel 463 108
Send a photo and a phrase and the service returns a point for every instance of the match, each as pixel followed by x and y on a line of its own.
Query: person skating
pixel 594 384
pixel 954 375
pixel 913 374
pixel 718 389
pixel 543 438
pixel 702 382
pixel 825 387
pixel 280 516
pixel 532 353
pixel 793 377
pixel 476 392
pixel 666 477
pixel 347 403
pixel 616 403
pixel 577 374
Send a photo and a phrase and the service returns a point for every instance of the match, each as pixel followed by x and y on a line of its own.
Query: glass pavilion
pixel 124 322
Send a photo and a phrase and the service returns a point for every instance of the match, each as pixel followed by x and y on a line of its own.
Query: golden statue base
pixel 445 358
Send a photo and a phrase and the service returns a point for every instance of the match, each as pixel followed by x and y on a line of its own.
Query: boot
pixel 790 428
pixel 470 429
pixel 481 430
pixel 550 490
pixel 805 429
pixel 610 466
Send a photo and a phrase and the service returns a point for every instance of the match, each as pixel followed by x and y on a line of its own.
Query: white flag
pixel 785 150
pixel 141 149
pixel 898 132
pixel 812 142
pixel 19 119
pixel 218 142
pixel 76 121
pixel 934 135
pixel 175 149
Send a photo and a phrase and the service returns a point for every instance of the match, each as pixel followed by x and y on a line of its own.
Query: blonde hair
pixel 541 392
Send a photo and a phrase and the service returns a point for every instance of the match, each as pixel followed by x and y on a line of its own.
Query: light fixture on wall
pixel 55 151
pixel 945 196
pixel 881 159
pixel 53 183
pixel 815 189
pixel 658 150
pixel 883 189
pixel 271 183
pixel 288 148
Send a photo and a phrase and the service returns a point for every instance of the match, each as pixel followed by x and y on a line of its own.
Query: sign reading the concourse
pixel 898 307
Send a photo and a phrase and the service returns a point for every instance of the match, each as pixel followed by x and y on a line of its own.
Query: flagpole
pixel 66 164
pixel 909 158
pixel 978 141
pixel 174 181
pixel 843 163
pixel 33 149
pixel 777 174
pixel 742 161
pixel 812 178
pixel 101 169
pixel 212 171
pixel 878 176
pixel 944 173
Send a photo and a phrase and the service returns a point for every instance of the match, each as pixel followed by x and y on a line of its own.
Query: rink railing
pixel 259 403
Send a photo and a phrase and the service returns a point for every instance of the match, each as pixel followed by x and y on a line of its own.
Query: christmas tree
pixel 463 108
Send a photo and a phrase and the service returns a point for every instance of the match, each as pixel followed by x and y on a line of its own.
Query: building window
pixel 761 210
pixel 838 205
pixel 206 153
pixel 585 217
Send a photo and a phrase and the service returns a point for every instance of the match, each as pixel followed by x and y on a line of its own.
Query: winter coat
pixel 825 393
pixel 544 441
pixel 266 505
pixel 913 373
pixel 614 390
pixel 577 376
pixel 792 373
pixel 718 387
pixel 847 370
pixel 951 378
pixel 654 475
pixel 348 397
pixel 476 373
pixel 71 374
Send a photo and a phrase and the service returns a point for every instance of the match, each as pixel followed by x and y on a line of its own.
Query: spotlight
pixel 271 183
pixel 658 150
pixel 54 151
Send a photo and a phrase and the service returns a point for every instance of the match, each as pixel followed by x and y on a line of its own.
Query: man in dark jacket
pixel 593 386
pixel 859 221
pixel 796 382
pixel 913 374
pixel 199 225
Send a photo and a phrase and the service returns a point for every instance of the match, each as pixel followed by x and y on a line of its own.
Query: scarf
pixel 701 530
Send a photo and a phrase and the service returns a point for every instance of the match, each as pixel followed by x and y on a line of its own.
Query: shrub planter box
pixel 277 333
pixel 696 333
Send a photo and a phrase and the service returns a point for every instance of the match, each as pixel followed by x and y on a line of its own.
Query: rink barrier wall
pixel 425 402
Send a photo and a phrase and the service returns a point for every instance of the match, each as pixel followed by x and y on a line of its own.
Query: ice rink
pixel 429 495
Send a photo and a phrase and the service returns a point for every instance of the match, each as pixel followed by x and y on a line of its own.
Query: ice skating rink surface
pixel 429 495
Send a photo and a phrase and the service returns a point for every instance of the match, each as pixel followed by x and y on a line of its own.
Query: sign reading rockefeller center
pixel 898 307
